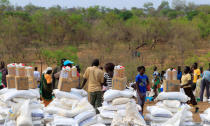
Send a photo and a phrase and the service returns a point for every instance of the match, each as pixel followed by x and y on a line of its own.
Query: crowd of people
pixel 193 81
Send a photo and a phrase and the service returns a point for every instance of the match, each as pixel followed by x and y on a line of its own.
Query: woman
pixel 109 68
pixel 46 85
pixel 186 82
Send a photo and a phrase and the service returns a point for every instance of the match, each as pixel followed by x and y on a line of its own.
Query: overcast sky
pixel 106 3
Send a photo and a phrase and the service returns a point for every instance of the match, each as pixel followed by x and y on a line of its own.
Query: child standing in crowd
pixel 108 75
pixel 156 86
pixel 141 84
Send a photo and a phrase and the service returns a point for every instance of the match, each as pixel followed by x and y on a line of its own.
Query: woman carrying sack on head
pixel 46 85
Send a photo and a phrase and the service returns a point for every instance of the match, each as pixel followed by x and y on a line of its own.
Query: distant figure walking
pixel 37 76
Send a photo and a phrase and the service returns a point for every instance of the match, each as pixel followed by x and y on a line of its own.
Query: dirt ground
pixel 196 116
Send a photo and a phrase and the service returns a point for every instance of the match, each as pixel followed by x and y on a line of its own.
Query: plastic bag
pixel 24 119
pixel 133 116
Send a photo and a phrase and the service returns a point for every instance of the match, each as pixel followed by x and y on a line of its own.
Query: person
pixel 201 70
pixel 108 75
pixel 94 78
pixel 155 71
pixel 46 86
pixel 205 83
pixel 37 75
pixel 68 63
pixel 141 85
pixel 196 75
pixel 186 85
pixel 179 73
pixel 162 76
pixel 156 86
pixel 3 73
pixel 56 74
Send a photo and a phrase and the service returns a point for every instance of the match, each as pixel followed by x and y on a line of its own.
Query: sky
pixel 120 4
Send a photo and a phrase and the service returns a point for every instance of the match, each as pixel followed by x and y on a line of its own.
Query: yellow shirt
pixel 48 78
pixel 197 73
pixel 95 77
pixel 185 79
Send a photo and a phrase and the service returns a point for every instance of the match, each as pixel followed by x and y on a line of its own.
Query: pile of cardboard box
pixel 68 79
pixel 119 80
pixel 171 83
pixel 20 77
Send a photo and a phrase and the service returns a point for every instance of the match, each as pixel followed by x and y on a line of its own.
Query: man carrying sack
pixel 94 78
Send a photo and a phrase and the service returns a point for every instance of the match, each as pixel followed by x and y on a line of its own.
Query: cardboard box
pixel 21 83
pixel 29 72
pixel 20 71
pixel 11 71
pixel 171 85
pixel 119 83
pixel 10 81
pixel 65 84
pixel 32 83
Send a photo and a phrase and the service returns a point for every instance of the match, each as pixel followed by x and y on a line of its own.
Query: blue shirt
pixel 179 75
pixel 142 80
pixel 206 75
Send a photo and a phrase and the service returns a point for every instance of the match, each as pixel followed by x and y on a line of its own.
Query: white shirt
pixel 37 75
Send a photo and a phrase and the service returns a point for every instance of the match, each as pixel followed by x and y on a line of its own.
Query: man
pixel 56 74
pixel 95 78
pixel 196 75
pixel 36 75
pixel 142 81
pixel 205 83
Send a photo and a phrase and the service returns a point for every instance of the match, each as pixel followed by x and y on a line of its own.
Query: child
pixel 141 85
pixel 156 86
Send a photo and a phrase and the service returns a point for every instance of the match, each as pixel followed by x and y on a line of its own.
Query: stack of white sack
pixel 13 104
pixel 70 109
pixel 129 117
pixel 170 103
pixel 115 102
pixel 205 117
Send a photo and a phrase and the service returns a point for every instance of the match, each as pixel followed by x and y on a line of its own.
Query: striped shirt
pixel 108 80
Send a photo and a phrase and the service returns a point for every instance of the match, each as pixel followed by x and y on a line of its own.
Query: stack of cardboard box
pixel 171 83
pixel 20 77
pixel 119 80
pixel 31 79
pixel 21 80
pixel 68 79
pixel 11 75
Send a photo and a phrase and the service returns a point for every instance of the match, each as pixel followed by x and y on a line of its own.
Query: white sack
pixel 172 103
pixel 119 101
pixel 63 94
pixel 79 91
pixel 173 96
pixel 84 115
pixel 156 119
pixel 88 122
pixel 159 112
